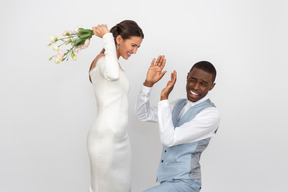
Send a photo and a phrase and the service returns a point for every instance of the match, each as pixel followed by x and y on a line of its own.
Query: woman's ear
pixel 119 39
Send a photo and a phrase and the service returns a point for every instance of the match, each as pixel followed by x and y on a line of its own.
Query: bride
pixel 108 142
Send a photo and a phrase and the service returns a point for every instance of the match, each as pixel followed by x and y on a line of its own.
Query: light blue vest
pixel 182 161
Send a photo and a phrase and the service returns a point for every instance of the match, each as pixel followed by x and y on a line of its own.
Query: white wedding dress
pixel 108 142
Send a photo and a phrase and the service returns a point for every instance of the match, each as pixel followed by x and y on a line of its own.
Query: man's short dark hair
pixel 207 67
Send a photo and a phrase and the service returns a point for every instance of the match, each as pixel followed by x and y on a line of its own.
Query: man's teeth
pixel 129 54
pixel 193 93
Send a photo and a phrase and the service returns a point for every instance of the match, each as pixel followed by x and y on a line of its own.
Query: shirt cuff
pixel 146 90
pixel 163 103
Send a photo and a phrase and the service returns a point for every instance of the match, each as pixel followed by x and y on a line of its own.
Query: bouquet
pixel 78 39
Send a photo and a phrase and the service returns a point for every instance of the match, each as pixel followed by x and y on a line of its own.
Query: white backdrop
pixel 47 109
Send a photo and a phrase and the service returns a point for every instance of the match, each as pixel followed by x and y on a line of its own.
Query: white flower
pixel 74 57
pixel 65 33
pixel 72 32
pixel 53 39
pixel 57 60
pixel 67 41
pixel 56 48
pixel 77 29
pixel 60 55
pixel 77 49
pixel 87 43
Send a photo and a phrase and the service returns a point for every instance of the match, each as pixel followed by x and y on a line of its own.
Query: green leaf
pixel 80 30
pixel 79 42
pixel 85 36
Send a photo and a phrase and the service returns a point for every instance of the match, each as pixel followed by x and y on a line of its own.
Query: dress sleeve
pixel 110 67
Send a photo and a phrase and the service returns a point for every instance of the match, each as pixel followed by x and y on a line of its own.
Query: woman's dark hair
pixel 126 29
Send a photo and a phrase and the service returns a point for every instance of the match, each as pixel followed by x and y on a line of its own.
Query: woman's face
pixel 128 47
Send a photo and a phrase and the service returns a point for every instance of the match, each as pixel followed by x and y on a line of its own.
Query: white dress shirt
pixel 202 126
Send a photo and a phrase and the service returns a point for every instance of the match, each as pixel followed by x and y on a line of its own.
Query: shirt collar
pixel 195 103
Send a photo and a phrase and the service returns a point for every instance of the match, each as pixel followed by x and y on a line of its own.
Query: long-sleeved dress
pixel 108 142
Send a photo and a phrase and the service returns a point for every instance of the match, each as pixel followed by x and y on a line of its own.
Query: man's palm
pixel 155 72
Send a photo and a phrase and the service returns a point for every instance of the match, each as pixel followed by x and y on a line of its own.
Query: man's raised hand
pixel 169 87
pixel 155 73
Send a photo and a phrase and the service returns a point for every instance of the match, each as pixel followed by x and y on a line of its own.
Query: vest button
pixel 165 151
pixel 162 161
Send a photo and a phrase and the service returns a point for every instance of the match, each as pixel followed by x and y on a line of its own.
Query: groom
pixel 185 125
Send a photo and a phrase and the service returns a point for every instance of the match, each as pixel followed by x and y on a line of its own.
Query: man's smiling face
pixel 199 83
